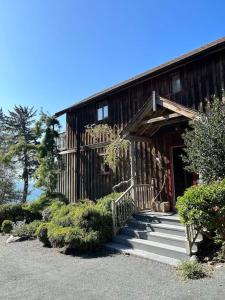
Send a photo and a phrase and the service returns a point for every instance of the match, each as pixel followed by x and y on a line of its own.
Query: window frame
pixel 174 78
pixel 103 110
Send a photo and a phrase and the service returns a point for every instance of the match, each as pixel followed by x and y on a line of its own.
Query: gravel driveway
pixel 30 271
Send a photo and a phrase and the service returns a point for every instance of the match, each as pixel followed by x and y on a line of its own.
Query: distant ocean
pixel 34 193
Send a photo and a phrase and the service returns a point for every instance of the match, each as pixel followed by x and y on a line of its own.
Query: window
pixel 102 112
pixel 176 83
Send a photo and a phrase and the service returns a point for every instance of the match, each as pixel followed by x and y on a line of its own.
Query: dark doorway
pixel 182 178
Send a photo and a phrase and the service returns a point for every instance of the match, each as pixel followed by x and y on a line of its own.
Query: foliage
pixel 11 212
pixel 20 142
pixel 78 227
pixel 116 146
pixel 205 143
pixel 43 201
pixel 191 270
pixel 42 234
pixel 8 191
pixel 104 203
pixel 7 226
pixel 27 230
pixel 48 157
pixel 204 206
pixel 17 212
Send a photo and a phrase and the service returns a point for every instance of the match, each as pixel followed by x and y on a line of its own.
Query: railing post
pixel 188 240
pixel 113 207
pixel 132 171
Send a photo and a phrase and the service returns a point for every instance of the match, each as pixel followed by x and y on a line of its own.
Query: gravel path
pixel 30 271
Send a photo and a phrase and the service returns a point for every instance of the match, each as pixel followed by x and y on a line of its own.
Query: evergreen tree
pixel 7 179
pixel 20 141
pixel 48 156
pixel 205 143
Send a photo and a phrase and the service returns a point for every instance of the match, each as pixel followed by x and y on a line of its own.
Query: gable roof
pixel 194 54
pixel 156 113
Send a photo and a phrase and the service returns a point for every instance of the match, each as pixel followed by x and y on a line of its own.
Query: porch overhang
pixel 156 113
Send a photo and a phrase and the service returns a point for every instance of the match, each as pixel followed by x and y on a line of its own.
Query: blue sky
pixel 54 53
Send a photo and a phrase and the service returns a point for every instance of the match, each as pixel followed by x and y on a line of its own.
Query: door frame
pixel 172 173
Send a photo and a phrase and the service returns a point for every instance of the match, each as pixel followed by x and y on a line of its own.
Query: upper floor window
pixel 103 112
pixel 176 83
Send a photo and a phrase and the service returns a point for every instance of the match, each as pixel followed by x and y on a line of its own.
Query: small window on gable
pixel 176 83
pixel 102 112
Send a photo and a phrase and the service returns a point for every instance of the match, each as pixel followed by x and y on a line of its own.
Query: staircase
pixel 157 236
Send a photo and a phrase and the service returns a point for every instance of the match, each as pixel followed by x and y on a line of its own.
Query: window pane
pixel 176 84
pixel 105 111
pixel 100 116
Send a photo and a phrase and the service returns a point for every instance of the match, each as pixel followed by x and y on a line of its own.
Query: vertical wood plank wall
pixel 80 177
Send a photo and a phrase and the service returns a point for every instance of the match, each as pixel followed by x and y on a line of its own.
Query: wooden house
pixel 152 110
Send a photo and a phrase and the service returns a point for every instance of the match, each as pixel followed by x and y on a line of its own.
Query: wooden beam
pixel 136 138
pixel 162 118
pixel 155 130
pixel 178 108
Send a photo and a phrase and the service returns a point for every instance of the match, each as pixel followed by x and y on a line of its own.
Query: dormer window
pixel 176 83
pixel 102 112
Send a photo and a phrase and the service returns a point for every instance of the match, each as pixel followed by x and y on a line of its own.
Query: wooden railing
pixel 123 208
pixel 135 198
pixel 191 235
pixel 144 196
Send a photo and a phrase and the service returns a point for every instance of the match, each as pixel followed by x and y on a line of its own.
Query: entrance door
pixel 182 179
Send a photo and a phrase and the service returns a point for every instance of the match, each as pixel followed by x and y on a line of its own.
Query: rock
pixel 13 239
pixel 218 266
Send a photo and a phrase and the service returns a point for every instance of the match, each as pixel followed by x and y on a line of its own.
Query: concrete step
pixel 157 227
pixel 150 217
pixel 152 247
pixel 143 254
pixel 154 236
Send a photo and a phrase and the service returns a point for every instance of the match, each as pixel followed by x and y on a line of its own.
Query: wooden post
pixel 154 101
pixel 132 171
pixel 113 217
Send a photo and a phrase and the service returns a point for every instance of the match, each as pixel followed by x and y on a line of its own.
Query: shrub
pixel 104 203
pixel 26 230
pixel 191 270
pixel 204 206
pixel 37 206
pixel 11 212
pixel 42 234
pixel 47 214
pixel 7 226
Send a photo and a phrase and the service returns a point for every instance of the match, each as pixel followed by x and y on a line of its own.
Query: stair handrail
pixel 123 208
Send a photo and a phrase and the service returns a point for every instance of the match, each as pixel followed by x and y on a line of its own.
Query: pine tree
pixel 21 142
pixel 7 170
pixel 48 156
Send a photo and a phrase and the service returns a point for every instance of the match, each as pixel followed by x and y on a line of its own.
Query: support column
pixel 133 171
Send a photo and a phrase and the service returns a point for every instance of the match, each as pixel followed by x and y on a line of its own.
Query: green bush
pixel 73 238
pixel 191 270
pixel 7 226
pixel 204 206
pixel 12 212
pixel 104 203
pixel 42 234
pixel 78 227
pixel 37 206
pixel 27 230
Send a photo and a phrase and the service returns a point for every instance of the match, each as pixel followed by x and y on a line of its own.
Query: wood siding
pixel 81 178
